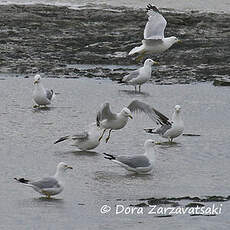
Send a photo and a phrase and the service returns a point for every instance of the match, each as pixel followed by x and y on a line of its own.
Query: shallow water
pixel 194 166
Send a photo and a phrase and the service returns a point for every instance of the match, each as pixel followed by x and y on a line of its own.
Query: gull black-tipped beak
pixel 69 167
pixel 130 116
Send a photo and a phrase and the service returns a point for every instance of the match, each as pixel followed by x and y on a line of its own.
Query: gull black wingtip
pixel 151 7
pixel 109 156
pixel 22 180
pixel 61 139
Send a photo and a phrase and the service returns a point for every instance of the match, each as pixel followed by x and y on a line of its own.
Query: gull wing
pixel 105 113
pixel 132 75
pixel 154 28
pixel 134 161
pixel 45 183
pixel 153 114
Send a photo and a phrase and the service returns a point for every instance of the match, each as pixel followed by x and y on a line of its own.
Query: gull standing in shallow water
pixel 41 96
pixel 48 186
pixel 154 40
pixel 86 140
pixel 141 164
pixel 168 129
pixel 114 121
pixel 141 75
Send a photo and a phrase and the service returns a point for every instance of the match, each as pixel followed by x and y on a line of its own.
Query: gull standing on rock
pixel 154 40
pixel 86 140
pixel 113 121
pixel 41 96
pixel 141 164
pixel 141 75
pixel 48 186
pixel 168 129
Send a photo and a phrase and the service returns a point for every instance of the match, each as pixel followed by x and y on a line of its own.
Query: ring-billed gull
pixel 41 96
pixel 85 140
pixel 168 129
pixel 154 40
pixel 141 164
pixel 141 75
pixel 48 186
pixel 114 121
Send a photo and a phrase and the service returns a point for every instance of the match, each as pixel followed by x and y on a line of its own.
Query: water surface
pixel 194 166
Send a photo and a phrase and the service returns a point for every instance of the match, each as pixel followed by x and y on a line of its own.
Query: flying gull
pixel 113 121
pixel 154 40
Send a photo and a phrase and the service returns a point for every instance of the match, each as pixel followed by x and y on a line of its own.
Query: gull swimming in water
pixel 141 164
pixel 85 140
pixel 154 40
pixel 141 75
pixel 113 121
pixel 48 186
pixel 168 129
pixel 41 96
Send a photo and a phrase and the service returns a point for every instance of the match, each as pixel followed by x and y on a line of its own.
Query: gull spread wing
pixel 105 113
pixel 154 28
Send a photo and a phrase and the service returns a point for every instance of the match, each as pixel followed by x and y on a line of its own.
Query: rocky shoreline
pixel 55 40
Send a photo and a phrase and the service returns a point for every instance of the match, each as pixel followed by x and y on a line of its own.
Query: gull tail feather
pixel 135 50
pixel 61 139
pixel 109 156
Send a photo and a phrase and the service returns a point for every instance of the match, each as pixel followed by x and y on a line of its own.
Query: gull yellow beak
pixel 130 116
pixel 157 143
pixel 179 41
pixel 69 167
pixel 35 82
pixel 156 62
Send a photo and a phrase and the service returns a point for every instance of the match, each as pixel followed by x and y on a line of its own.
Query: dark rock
pixel 46 39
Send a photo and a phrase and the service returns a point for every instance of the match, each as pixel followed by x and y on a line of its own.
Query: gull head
pixel 150 62
pixel 177 108
pixel 37 79
pixel 62 167
pixel 126 113
pixel 149 144
pixel 174 40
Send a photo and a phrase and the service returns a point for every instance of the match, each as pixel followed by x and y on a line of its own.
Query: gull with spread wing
pixel 113 121
pixel 154 40
pixel 168 129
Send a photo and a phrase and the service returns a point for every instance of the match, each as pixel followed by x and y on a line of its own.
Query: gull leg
pixel 107 139
pixel 135 88
pixel 46 193
pixel 139 88
pixel 101 135
pixel 138 59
